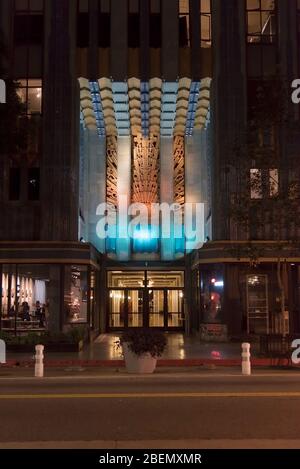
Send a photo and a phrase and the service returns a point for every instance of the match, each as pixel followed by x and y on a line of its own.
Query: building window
pixel 264 183
pixel 29 22
pixel 184 23
pixel 134 30
pixel 261 21
pixel 28 38
pixel 14 184
pixel 261 31
pixel 33 184
pixel 83 24
pixel 273 182
pixel 205 23
pixel 104 24
pixel 30 93
pixel 256 184
pixel 155 24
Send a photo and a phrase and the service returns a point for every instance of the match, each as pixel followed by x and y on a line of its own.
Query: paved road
pixel 187 410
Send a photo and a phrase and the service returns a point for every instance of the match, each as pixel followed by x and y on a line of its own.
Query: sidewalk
pixel 181 351
pixel 179 347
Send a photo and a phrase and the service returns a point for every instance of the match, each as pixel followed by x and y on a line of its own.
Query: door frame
pixel 146 308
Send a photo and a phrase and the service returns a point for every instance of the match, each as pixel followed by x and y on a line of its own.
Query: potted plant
pixel 141 348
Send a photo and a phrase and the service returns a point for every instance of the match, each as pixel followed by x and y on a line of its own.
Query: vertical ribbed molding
pixel 61 121
pixel 135 112
pixel 229 96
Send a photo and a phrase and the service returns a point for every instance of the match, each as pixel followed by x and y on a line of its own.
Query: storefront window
pixel 30 297
pixel 212 289
pixel 76 294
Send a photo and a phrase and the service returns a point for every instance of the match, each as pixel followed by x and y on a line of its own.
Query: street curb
pixel 256 362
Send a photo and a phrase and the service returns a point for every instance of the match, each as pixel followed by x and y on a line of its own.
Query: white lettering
pixel 296 353
pixel 296 93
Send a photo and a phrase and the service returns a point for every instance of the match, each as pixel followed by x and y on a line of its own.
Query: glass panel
pixel 30 93
pixel 257 304
pixel 212 290
pixel 14 184
pixel 166 279
pixel 205 6
pixel 8 297
pixel 135 308
pixel 92 298
pixel 253 5
pixel 76 294
pixel 205 28
pixel 156 308
pixel 126 279
pixel 205 23
pixel 30 298
pixel 256 191
pixel 34 100
pixel 33 184
pixel 117 308
pixel 175 308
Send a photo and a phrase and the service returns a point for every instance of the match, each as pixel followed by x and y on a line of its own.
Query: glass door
pixel 175 309
pixel 126 308
pixel 157 309
pixel 135 308
pixel 117 302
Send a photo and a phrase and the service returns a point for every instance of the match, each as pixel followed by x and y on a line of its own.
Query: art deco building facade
pixel 147 101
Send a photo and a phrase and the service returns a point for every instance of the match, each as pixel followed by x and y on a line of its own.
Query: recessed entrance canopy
pixel 135 107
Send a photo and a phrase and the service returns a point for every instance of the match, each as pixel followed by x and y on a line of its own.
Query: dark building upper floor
pixel 144 39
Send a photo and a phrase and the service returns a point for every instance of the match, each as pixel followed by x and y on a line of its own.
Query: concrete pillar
pixel 60 168
pixel 167 190
pixel 289 70
pixel 119 40
pixel 124 194
pixel 170 40
pixel 144 40
pixel 93 45
pixel 96 184
pixel 54 294
pixel 195 39
pixel 195 174
pixel 6 23
pixel 228 104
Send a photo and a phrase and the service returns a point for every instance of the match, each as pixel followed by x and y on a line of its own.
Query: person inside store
pixel 40 314
pixel 24 314
pixel 12 312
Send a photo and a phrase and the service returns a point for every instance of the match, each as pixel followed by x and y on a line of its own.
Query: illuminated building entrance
pixel 146 299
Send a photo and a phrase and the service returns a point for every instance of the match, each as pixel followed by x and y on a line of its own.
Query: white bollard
pixel 39 361
pixel 246 363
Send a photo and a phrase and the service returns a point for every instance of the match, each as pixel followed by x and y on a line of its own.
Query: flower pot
pixel 144 364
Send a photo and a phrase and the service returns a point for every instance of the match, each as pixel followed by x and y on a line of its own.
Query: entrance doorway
pixel 146 299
